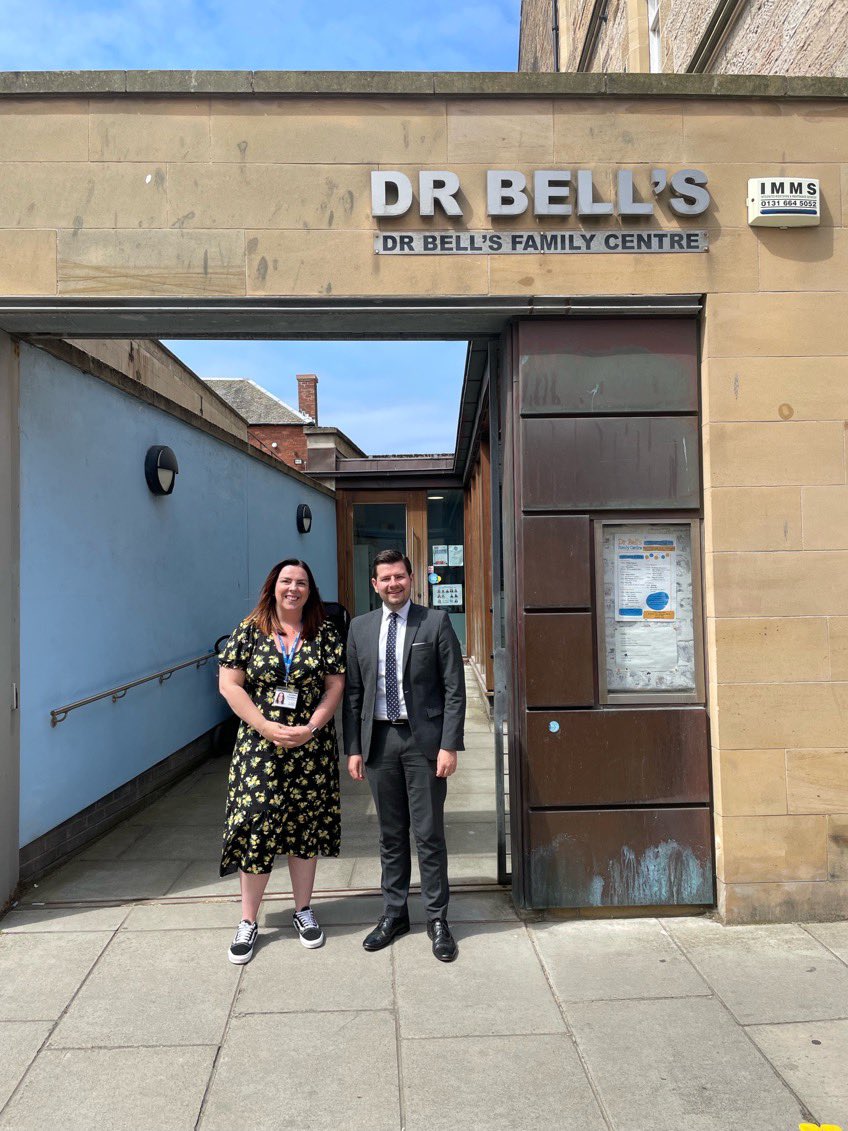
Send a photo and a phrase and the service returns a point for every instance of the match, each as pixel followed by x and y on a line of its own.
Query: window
pixel 654 53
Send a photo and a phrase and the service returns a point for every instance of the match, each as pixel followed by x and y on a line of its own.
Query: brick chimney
pixel 307 395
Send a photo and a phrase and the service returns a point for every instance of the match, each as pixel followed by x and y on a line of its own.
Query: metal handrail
pixel 116 693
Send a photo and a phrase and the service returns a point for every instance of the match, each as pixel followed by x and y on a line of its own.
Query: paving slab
pixel 209 786
pixel 367 872
pixel 468 779
pixel 496 1084
pixel 477 758
pixel 363 911
pixel 469 806
pixel 624 958
pixel 150 991
pixel 39 974
pixel 220 765
pixel 811 1057
pixel 833 935
pixel 19 1042
pixel 496 986
pixel 323 1071
pixel 51 919
pixel 285 977
pixel 473 867
pixel 106 880
pixel 200 878
pixel 362 840
pixel 175 809
pixel 114 1089
pixel 766 974
pixel 473 907
pixel 359 911
pixel 472 838
pixel 224 914
pixel 168 842
pixel 679 1063
pixel 113 844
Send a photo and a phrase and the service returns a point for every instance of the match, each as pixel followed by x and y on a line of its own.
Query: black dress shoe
pixel 387 930
pixel 444 944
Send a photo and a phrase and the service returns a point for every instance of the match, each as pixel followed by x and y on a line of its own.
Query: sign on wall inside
pixel 784 202
pixel 445 596
pixel 554 193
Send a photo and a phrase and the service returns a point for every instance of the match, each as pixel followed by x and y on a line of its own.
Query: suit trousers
pixel 407 794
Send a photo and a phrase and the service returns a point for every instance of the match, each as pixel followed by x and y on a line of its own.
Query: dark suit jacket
pixel 433 681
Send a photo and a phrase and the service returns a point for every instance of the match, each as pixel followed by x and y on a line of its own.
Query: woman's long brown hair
pixel 264 616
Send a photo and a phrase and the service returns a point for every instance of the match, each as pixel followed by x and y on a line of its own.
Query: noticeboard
pixel 649 624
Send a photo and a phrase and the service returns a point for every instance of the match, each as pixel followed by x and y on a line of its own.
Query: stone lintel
pixel 387 84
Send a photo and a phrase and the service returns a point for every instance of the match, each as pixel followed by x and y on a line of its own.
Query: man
pixel 404 712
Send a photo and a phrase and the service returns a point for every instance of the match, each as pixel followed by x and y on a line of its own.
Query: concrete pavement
pixel 119 1009
pixel 131 1017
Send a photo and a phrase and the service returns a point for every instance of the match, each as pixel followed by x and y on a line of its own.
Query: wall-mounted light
pixel 160 469
pixel 304 518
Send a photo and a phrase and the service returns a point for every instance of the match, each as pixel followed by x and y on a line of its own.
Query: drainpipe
pixel 725 14
pixel 555 30
pixel 593 34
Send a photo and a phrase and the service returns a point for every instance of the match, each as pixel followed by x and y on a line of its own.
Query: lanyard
pixel 288 657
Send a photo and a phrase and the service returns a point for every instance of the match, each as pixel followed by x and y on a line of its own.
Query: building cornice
pixel 410 84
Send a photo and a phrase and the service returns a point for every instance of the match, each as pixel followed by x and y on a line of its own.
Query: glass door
pixel 446 563
pixel 376 526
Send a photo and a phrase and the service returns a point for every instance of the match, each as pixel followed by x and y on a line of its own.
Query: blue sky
pixel 386 396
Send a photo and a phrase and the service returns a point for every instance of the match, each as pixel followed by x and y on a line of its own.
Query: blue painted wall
pixel 117 583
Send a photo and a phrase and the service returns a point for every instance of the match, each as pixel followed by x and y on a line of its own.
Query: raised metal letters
pixel 552 195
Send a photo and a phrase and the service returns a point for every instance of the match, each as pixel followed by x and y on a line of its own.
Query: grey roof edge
pixel 469 84
pixel 324 429
pixel 302 418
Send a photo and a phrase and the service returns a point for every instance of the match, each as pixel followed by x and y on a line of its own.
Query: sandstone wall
pixel 535 45
pixel 263 196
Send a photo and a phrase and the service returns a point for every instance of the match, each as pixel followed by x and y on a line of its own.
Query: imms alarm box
pixel 783 202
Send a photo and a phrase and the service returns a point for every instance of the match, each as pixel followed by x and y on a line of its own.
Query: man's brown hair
pixel 390 557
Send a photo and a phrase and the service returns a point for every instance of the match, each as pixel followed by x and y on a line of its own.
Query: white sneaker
pixel 306 925
pixel 241 948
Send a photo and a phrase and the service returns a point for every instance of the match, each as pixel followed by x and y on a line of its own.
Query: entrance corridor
pixel 171 849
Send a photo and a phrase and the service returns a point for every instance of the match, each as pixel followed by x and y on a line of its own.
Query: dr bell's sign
pixel 542 194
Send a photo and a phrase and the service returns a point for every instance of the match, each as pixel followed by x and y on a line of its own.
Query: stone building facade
pixel 758 37
pixel 186 205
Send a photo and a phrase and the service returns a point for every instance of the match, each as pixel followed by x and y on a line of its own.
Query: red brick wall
pixel 289 438
pixel 307 395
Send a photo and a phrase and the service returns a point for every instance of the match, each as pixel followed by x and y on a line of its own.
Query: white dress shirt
pixel 380 703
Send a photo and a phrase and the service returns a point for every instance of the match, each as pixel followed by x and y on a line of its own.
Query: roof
pixel 254 403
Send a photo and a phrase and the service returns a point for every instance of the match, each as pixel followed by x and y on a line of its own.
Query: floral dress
pixel 282 802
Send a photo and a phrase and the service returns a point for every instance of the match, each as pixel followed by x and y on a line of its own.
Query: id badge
pixel 285 699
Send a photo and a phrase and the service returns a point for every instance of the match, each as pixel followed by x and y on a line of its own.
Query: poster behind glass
pixel 648 608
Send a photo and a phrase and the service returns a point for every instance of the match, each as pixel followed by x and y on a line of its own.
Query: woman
pixel 282 672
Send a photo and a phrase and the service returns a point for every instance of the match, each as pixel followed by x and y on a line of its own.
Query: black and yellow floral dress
pixel 282 802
